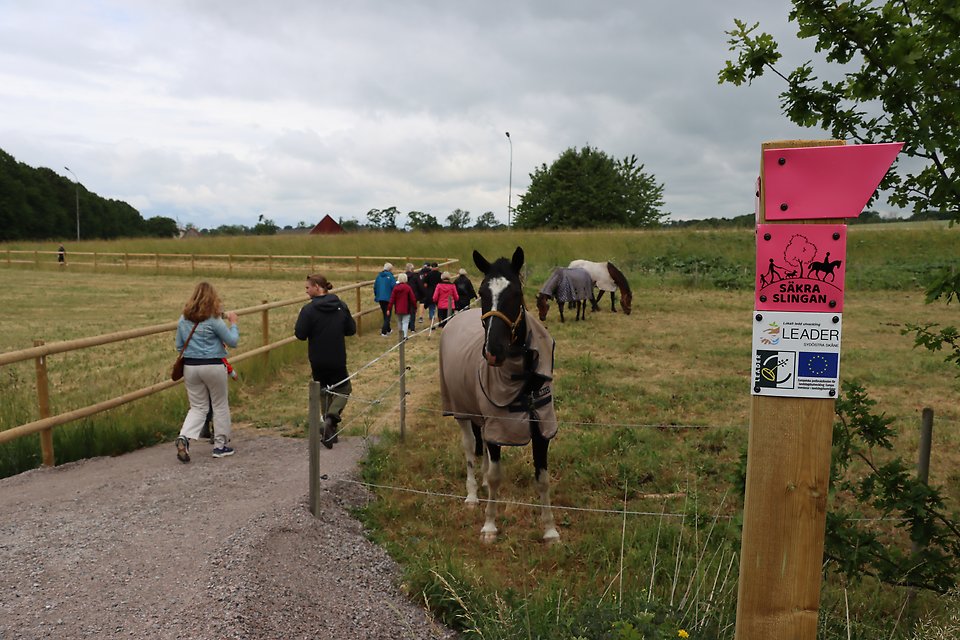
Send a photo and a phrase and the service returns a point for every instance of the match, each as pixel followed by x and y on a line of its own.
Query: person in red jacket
pixel 446 296
pixel 403 302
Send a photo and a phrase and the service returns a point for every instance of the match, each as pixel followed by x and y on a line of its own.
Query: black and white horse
pixel 607 277
pixel 496 368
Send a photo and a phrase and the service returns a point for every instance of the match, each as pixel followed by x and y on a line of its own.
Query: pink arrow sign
pixel 801 267
pixel 824 182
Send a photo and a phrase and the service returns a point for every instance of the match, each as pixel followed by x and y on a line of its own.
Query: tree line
pixel 36 203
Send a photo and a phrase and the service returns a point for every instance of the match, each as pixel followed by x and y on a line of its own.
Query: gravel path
pixel 142 546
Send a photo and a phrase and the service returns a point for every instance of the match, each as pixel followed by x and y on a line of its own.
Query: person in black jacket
pixel 431 279
pixel 324 322
pixel 464 289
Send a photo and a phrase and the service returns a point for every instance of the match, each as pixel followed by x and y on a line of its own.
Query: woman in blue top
pixel 204 371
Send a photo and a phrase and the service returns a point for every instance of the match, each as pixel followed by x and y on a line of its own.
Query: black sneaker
pixel 329 432
pixel 183 449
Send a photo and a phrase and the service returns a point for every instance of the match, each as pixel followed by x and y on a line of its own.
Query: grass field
pixel 653 403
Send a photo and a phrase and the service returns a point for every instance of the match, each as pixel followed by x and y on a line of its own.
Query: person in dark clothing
pixel 323 323
pixel 431 279
pixel 413 281
pixel 61 255
pixel 465 290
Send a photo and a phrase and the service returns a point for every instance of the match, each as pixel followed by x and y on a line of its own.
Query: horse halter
pixel 513 324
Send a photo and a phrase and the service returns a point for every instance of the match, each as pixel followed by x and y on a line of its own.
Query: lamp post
pixel 510 184
pixel 76 182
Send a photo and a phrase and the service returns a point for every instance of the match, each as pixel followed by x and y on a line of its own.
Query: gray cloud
pixel 216 112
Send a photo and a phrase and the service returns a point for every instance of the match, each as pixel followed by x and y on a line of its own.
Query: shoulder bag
pixel 178 363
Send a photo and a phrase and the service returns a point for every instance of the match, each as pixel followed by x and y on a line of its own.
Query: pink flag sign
pixel 823 182
pixel 800 267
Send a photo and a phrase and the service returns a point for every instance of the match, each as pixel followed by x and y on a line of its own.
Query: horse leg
pixel 472 449
pixel 613 301
pixel 596 301
pixel 542 477
pixel 489 532
pixel 560 309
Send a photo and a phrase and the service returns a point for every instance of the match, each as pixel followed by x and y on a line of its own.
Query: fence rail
pixel 199 262
pixel 40 351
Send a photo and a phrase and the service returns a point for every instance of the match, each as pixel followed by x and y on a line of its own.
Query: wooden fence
pixel 194 263
pixel 40 351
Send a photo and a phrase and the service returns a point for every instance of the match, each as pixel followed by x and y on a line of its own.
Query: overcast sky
pixel 217 111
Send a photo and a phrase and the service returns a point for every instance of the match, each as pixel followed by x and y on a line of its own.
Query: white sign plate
pixel 796 354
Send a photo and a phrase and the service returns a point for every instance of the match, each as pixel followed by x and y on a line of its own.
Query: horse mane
pixel 618 277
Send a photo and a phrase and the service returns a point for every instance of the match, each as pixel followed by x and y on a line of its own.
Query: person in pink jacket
pixel 446 296
pixel 403 302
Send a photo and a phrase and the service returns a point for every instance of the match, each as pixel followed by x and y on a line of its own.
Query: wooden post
pixel 193 264
pixel 785 504
pixel 269 263
pixel 403 385
pixel 265 330
pixel 230 264
pixel 94 261
pixel 36 258
pixel 126 262
pixel 156 258
pixel 359 315
pixel 314 417
pixel 311 266
pixel 43 400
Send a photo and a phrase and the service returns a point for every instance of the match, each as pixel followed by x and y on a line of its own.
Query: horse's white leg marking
pixel 469 447
pixel 550 533
pixel 489 532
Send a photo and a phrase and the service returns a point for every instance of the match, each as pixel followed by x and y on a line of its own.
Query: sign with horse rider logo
pixel 800 267
pixel 796 354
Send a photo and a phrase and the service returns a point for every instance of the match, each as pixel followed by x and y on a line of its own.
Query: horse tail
pixel 618 277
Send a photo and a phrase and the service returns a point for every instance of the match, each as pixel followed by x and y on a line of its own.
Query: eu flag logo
pixel 817 364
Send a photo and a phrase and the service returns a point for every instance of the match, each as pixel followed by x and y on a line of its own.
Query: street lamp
pixel 76 181
pixel 510 185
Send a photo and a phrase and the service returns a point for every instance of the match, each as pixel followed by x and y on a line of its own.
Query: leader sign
pixel 796 354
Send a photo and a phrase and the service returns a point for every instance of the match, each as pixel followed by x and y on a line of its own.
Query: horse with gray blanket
pixel 496 378
pixel 572 287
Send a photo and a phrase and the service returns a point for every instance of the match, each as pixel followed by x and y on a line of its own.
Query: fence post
pixel 403 384
pixel 193 264
pixel 126 262
pixel 230 263
pixel 43 400
pixel 156 258
pixel 269 263
pixel 314 415
pixel 265 329
pixel 311 266
pixel 94 261
pixel 359 314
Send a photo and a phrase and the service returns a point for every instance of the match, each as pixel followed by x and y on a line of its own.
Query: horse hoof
pixel 471 502
pixel 551 537
pixel 488 537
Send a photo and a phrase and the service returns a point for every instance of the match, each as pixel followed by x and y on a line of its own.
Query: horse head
pixel 626 295
pixel 501 303
pixel 543 305
pixel 626 301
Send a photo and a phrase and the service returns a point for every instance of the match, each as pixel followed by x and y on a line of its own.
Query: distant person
pixel 404 304
pixel 424 270
pixel 464 289
pixel 205 334
pixel 323 323
pixel 416 285
pixel 445 296
pixel 431 278
pixel 62 256
pixel 382 288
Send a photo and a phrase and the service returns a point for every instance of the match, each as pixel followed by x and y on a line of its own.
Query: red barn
pixel 326 226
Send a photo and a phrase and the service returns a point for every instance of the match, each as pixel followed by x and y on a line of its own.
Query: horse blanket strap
pixel 486 395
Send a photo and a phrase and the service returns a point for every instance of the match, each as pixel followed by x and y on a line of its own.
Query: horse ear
pixel 517 261
pixel 481 262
